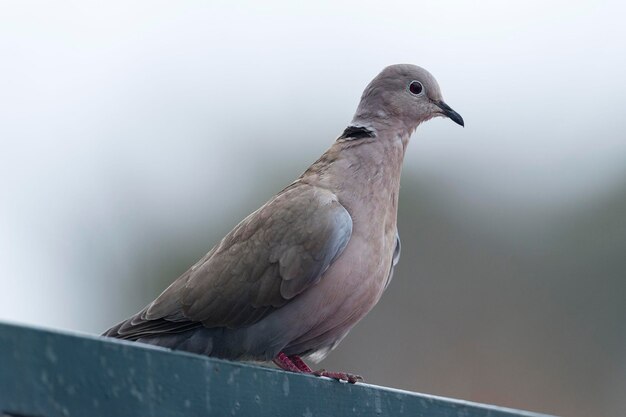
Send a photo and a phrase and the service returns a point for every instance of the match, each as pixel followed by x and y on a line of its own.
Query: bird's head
pixel 405 94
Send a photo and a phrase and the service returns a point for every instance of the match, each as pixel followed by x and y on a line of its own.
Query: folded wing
pixel 276 253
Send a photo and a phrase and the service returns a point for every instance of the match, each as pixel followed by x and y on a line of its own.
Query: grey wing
pixel 268 259
pixel 394 261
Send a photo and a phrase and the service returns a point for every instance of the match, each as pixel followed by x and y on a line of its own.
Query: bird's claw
pixel 340 376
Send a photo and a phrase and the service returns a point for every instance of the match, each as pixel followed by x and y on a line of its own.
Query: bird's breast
pixel 350 288
pixel 367 186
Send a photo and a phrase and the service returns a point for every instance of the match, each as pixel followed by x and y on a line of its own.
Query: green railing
pixel 47 373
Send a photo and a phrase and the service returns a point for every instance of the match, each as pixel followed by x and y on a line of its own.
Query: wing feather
pixel 269 258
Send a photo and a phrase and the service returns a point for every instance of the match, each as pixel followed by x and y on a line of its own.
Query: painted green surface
pixel 47 374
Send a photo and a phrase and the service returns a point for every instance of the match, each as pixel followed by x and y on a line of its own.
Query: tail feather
pixel 138 327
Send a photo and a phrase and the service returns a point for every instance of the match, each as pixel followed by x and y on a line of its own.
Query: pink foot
pixel 285 363
pixel 295 363
pixel 297 360
pixel 340 376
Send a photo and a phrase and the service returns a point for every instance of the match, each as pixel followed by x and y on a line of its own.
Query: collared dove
pixel 295 276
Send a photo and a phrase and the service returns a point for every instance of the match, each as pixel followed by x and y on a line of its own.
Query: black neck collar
pixel 357 132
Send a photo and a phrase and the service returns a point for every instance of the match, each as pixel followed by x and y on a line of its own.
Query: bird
pixel 291 279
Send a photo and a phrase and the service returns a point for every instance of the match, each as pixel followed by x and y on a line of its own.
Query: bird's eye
pixel 416 87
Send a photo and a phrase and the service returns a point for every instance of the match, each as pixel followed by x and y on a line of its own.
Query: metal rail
pixel 47 373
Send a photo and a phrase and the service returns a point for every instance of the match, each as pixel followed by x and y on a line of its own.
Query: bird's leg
pixel 302 366
pixel 285 363
pixel 294 363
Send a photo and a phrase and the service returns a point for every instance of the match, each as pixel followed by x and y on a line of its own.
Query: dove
pixel 290 281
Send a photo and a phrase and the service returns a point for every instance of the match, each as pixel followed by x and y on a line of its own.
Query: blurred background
pixel 135 135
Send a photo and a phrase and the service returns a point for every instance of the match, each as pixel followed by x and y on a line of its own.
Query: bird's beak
pixel 448 112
